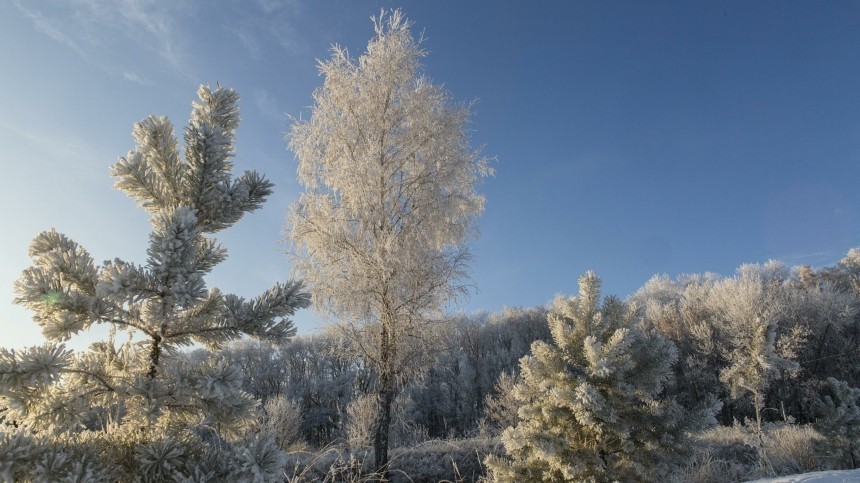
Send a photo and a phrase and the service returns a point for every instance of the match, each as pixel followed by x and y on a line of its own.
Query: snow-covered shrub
pixel 443 460
pixel 839 420
pixel 282 418
pixel 730 443
pixel 500 409
pixel 406 429
pixel 123 456
pixel 705 467
pixel 330 464
pixel 28 457
pixel 794 448
pixel 360 420
pixel 730 453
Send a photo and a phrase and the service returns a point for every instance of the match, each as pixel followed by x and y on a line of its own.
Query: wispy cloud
pixel 274 18
pixel 56 147
pixel 274 6
pixel 49 28
pixel 91 28
pixel 157 20
pixel 249 42
pixel 821 258
pixel 133 77
pixel 268 105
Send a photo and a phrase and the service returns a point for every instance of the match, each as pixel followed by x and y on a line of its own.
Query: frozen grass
pixel 453 460
pixel 846 476
pixel 726 454
pixel 729 454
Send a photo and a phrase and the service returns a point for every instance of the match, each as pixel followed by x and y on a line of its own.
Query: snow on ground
pixel 818 477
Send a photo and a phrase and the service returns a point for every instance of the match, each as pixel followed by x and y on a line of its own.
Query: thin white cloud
pixel 276 19
pixel 287 37
pixel 133 77
pixel 272 6
pixel 49 28
pixel 91 28
pixel 56 147
pixel 249 42
pixel 267 105
pixel 821 258
pixel 157 18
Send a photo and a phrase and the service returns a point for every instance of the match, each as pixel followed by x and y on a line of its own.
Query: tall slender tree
pixel 749 308
pixel 143 391
pixel 380 232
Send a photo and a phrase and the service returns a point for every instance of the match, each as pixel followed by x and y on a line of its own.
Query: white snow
pixel 818 477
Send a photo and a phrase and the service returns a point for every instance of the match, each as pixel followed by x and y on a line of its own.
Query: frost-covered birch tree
pixel 389 201
pixel 144 405
pixel 750 307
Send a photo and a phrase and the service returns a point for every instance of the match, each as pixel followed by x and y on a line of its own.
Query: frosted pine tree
pixel 591 402
pixel 139 407
pixel 838 418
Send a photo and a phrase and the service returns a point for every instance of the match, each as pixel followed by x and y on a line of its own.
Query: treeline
pixel 331 386
pixel 800 326
pixel 767 345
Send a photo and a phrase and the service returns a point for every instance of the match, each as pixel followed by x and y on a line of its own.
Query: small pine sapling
pixel 592 403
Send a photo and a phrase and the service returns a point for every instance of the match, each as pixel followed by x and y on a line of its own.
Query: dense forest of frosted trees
pixel 702 378
pixel 756 373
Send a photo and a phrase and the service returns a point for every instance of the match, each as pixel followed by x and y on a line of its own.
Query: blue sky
pixel 632 138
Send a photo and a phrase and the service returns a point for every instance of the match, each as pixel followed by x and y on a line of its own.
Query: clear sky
pixel 632 138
